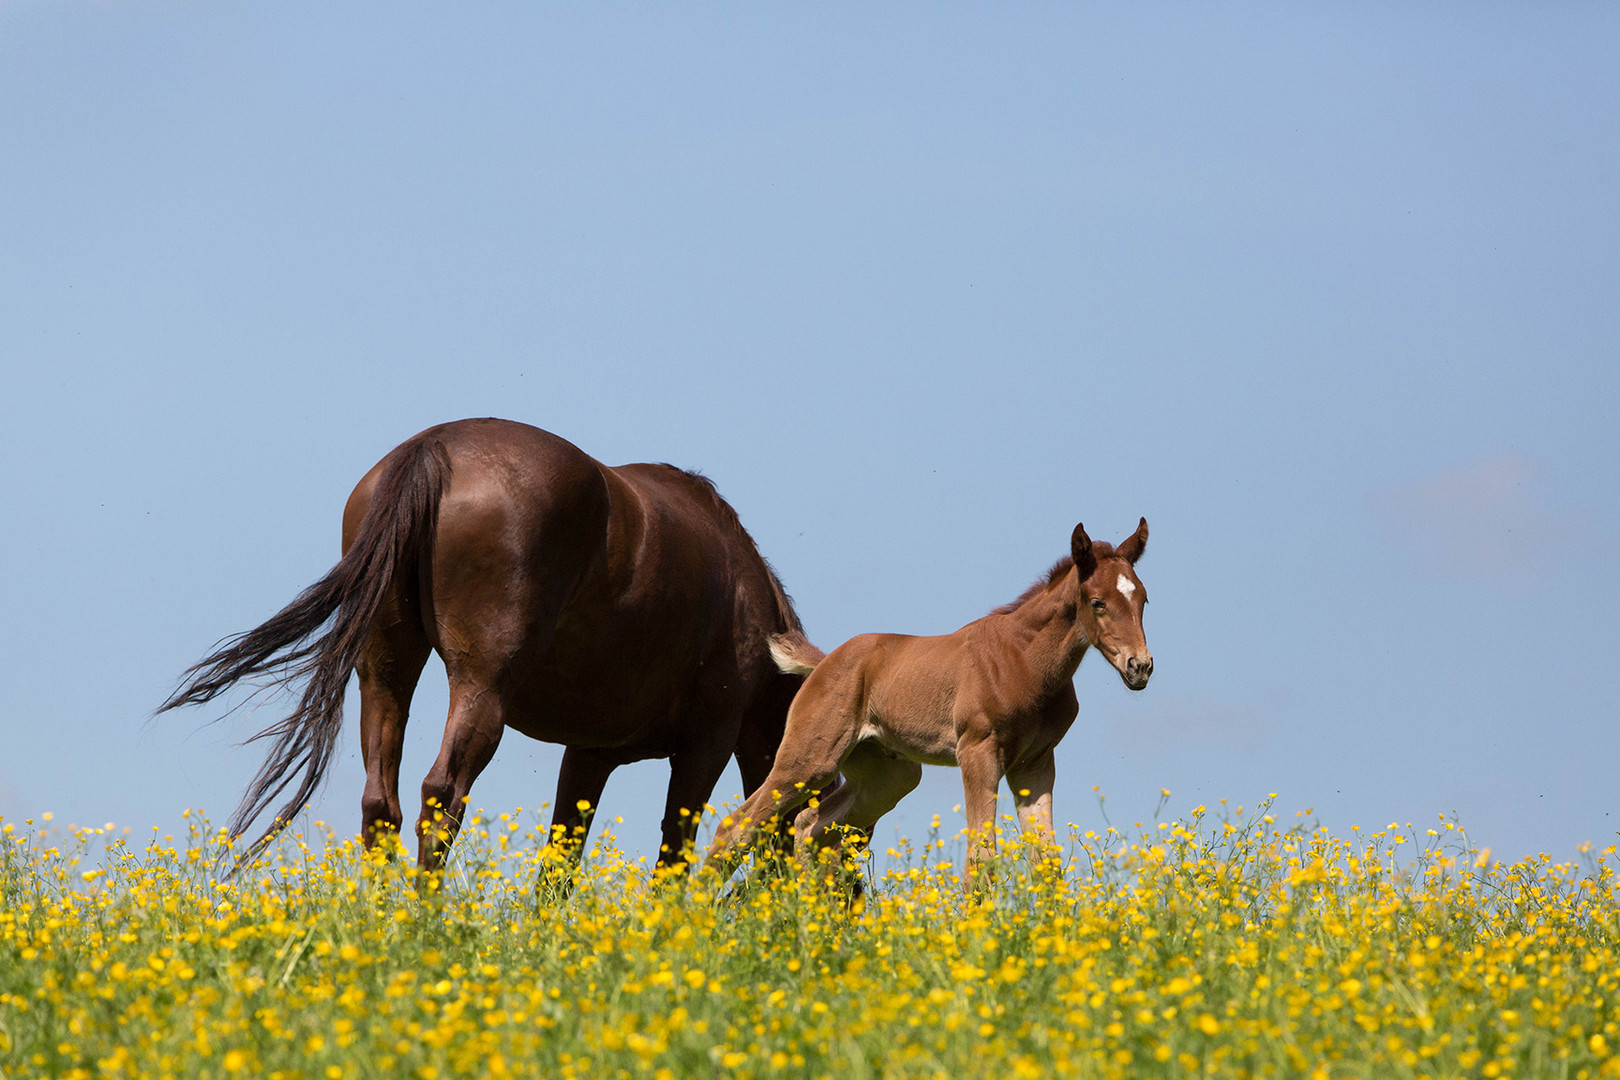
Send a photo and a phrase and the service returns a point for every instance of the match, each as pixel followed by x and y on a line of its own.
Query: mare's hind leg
pixel 875 780
pixel 477 718
pixel 389 666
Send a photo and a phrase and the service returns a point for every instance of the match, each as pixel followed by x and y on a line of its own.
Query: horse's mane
pixel 727 516
pixel 1100 548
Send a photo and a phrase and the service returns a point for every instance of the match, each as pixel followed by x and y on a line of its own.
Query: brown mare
pixel 993 698
pixel 623 612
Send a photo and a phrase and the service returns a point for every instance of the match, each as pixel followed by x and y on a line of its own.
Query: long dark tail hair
pixel 395 536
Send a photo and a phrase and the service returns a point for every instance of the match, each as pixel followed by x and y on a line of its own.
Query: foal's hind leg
pixel 757 742
pixel 821 728
pixel 389 666
pixel 875 780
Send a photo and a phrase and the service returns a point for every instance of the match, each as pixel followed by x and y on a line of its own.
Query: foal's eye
pixel 1098 606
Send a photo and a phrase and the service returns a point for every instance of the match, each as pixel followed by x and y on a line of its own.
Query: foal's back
pixel 902 689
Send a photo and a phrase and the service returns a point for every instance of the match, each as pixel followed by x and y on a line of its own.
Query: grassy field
pixel 1223 945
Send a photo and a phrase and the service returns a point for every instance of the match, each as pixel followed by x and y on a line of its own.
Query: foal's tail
pixel 794 654
pixel 395 536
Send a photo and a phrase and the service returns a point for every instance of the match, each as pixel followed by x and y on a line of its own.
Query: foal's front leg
pixel 980 762
pixel 1031 782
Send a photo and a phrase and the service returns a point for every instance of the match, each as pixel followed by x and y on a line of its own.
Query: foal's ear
pixel 1080 550
pixel 1131 549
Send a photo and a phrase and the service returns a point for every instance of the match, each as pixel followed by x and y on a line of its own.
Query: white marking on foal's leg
pixel 1124 586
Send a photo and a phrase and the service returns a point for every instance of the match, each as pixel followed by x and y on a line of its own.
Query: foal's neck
pixel 1046 629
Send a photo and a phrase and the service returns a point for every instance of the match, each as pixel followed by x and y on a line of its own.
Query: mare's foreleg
pixel 763 725
pixel 580 780
pixel 693 772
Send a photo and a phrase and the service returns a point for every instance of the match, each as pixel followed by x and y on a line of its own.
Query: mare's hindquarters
pixel 394 533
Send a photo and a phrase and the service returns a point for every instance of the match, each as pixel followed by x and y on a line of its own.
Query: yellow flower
pixel 783 968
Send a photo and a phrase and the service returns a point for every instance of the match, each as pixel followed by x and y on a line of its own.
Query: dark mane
pixel 727 515
pixel 1102 549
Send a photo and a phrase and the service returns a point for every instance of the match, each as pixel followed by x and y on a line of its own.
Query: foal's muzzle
pixel 1137 672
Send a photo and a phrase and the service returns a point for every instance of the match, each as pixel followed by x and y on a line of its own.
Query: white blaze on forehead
pixel 1124 586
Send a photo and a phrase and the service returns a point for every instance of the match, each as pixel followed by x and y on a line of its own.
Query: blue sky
pixel 1328 294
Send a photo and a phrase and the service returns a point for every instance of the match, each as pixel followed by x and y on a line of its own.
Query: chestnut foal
pixel 993 698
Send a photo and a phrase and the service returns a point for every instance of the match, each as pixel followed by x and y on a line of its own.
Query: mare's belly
pixel 595 712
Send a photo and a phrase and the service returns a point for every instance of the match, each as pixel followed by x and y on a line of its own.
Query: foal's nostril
pixel 1139 668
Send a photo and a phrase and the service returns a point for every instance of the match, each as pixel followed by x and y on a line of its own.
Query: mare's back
pixel 696 544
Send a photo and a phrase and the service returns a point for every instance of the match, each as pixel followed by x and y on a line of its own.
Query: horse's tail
pixel 794 654
pixel 395 536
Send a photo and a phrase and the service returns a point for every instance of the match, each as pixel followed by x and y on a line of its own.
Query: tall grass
pixel 1209 946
